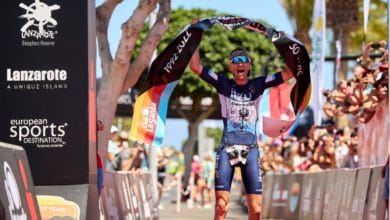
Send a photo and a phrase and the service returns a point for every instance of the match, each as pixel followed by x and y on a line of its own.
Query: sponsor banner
pixel 138 208
pixel 360 194
pixel 128 195
pixel 17 193
pixel 375 203
pixel 329 202
pixel 286 195
pixel 151 106
pixel 346 197
pixel 150 112
pixel 146 208
pixel 267 195
pixel 333 194
pixel 313 190
pixel 319 185
pixel 278 196
pixel 46 62
pixel 124 194
pixel 338 192
pixel 294 186
pixel 63 201
pixel 147 182
pixel 109 197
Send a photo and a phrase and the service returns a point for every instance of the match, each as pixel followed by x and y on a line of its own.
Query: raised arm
pixel 195 65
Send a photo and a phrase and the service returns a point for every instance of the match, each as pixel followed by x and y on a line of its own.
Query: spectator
pixel 365 92
pixel 323 148
pixel 132 157
pixel 207 177
pixel 350 160
pixel 298 153
pixel 196 169
pixel 162 161
pixel 341 153
pixel 112 163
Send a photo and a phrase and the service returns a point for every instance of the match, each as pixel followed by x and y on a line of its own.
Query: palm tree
pixel 300 13
pixel 343 22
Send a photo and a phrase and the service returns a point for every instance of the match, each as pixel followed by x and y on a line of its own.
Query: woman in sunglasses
pixel 239 100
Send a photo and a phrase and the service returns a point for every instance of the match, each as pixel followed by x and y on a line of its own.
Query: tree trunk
pixel 194 118
pixel 107 98
pixel 188 150
pixel 119 73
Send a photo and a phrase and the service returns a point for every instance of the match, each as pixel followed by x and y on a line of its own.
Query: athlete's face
pixel 240 66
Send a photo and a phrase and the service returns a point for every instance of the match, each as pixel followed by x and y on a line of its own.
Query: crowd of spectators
pixel 325 147
pixel 365 91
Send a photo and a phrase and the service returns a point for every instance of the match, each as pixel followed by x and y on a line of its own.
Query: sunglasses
pixel 239 59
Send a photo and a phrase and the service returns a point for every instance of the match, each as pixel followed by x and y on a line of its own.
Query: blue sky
pixel 270 11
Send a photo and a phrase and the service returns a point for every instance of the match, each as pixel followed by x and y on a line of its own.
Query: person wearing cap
pixel 113 149
pixel 239 99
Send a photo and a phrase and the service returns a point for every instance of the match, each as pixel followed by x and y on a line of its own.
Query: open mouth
pixel 240 71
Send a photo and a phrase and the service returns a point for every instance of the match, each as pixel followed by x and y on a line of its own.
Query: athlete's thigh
pixel 251 173
pixel 223 171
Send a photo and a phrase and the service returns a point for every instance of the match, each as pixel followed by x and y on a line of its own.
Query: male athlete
pixel 239 99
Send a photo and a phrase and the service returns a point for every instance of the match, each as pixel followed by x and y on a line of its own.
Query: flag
pixel 276 110
pixel 281 106
pixel 150 109
pixel 318 58
pixel 366 10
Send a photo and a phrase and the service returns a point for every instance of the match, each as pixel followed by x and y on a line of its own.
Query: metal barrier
pixel 333 194
pixel 128 195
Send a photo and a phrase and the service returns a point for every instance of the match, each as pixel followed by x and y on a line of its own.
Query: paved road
pixel 236 210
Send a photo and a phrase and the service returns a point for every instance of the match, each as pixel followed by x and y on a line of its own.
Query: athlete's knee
pixel 254 208
pixel 221 206
pixel 255 212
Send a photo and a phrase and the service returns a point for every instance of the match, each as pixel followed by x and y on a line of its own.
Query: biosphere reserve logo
pixel 37 31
